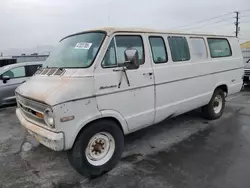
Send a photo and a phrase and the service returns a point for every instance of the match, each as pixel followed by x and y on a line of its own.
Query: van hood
pixel 53 90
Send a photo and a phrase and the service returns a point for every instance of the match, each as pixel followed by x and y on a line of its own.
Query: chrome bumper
pixel 54 141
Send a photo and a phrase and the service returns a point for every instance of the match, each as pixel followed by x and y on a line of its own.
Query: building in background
pixel 30 58
pixel 6 61
pixel 246 51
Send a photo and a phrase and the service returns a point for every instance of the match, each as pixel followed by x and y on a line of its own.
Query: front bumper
pixel 54 141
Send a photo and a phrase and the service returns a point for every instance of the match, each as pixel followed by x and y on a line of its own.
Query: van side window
pixel 179 48
pixel 158 49
pixel 124 42
pixel 115 53
pixel 219 47
pixel 199 50
pixel 110 56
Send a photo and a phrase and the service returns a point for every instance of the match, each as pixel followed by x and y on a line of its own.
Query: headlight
pixel 49 118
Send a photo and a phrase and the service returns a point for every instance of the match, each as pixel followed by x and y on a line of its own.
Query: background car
pixel 247 73
pixel 11 76
pixel 7 61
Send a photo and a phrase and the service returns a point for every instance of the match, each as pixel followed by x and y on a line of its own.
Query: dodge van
pixel 100 85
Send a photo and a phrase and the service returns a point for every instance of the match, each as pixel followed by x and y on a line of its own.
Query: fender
pixel 98 116
pixel 220 84
pixel 118 117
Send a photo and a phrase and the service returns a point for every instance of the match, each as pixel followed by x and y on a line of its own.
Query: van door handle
pixel 149 73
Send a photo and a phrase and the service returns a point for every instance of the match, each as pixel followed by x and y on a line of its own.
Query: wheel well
pixel 223 88
pixel 105 118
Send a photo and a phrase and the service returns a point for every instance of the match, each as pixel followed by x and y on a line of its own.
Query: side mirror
pixel 5 79
pixel 131 58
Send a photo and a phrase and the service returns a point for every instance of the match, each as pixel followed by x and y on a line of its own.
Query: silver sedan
pixel 11 76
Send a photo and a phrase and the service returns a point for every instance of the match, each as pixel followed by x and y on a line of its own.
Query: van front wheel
pixel 97 149
pixel 214 109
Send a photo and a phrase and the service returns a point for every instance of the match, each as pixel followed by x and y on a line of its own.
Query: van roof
pixel 111 30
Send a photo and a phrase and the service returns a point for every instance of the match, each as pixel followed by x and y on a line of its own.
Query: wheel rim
pixel 101 148
pixel 217 104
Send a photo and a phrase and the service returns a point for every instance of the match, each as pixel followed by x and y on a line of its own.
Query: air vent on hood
pixel 39 70
pixel 52 71
pixel 60 71
pixel 45 71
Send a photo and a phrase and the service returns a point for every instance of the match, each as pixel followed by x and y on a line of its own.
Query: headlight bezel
pixel 49 118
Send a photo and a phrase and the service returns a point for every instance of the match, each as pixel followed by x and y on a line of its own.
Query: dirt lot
pixel 186 151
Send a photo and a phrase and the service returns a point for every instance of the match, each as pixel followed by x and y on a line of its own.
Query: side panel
pixel 135 102
pixel 183 86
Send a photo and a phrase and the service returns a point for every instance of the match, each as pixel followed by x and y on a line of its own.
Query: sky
pixel 32 23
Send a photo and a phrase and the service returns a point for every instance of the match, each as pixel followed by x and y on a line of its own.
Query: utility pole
pixel 237 23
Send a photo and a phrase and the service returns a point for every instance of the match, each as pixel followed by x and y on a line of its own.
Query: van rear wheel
pixel 97 149
pixel 214 109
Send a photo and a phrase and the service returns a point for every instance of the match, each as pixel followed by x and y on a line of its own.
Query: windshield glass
pixel 78 51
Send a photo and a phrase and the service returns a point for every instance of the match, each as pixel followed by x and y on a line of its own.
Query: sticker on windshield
pixel 83 45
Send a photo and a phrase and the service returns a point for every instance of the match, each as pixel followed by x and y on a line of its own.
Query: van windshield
pixel 77 51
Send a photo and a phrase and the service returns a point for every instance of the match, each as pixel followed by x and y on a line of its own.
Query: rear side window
pixel 158 49
pixel 219 47
pixel 179 48
pixel 31 69
pixel 199 50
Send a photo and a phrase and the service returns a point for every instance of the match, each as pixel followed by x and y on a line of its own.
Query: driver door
pixel 7 89
pixel 132 98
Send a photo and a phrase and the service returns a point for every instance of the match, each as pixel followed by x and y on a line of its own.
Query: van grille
pixel 247 72
pixel 30 108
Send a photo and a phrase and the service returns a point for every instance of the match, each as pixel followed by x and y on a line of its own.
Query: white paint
pixel 174 88
pixel 134 102
pixel 52 140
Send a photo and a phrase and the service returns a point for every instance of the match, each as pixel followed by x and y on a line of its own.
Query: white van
pixel 100 85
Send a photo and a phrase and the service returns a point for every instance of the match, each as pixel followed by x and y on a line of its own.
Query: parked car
pixel 247 73
pixel 11 76
pixel 100 85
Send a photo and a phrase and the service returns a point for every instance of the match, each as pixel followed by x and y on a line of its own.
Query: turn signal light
pixel 40 115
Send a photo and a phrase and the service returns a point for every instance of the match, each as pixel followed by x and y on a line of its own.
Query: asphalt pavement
pixel 183 152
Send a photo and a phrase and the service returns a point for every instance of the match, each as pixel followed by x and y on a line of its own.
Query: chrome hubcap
pixel 217 104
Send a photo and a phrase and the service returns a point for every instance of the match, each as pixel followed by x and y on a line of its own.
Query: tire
pixel 218 99
pixel 93 141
